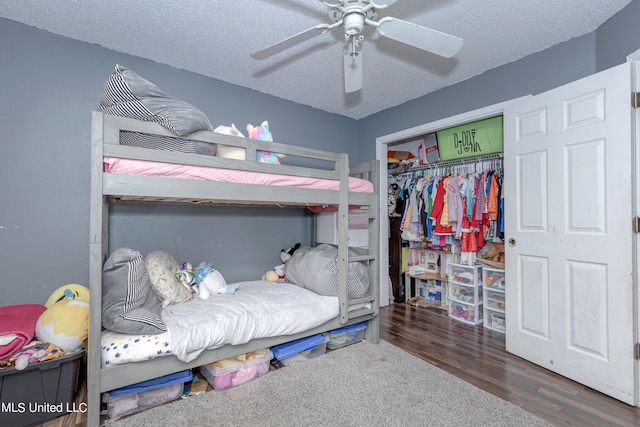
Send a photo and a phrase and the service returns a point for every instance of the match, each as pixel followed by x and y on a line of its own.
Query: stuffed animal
pixel 285 255
pixel 29 355
pixel 278 270
pixel 271 276
pixel 187 278
pixel 71 291
pixel 228 151
pixel 210 281
pixel 35 351
pixel 262 133
pixel 493 251
pixel 65 323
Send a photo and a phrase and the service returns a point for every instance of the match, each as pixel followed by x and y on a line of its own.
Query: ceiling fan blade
pixel 352 71
pixel 290 42
pixel 421 37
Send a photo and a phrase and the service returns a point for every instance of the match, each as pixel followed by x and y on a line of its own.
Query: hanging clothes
pixel 460 208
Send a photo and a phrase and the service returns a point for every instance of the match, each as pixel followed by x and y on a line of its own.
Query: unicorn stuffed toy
pixel 262 133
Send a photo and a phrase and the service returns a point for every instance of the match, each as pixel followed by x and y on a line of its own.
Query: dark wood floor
pixel 477 355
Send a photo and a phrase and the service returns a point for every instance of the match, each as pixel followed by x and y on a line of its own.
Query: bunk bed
pixel 338 191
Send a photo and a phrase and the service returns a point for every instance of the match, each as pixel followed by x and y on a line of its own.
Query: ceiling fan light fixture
pixel 353 23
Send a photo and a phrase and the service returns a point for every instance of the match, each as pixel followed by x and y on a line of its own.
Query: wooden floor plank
pixel 478 356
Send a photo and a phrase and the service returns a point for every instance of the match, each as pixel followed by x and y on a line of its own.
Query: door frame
pixel 634 58
pixel 382 146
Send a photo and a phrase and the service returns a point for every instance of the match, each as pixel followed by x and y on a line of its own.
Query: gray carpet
pixel 362 384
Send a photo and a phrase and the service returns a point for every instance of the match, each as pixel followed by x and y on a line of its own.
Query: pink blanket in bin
pixel 140 167
pixel 17 326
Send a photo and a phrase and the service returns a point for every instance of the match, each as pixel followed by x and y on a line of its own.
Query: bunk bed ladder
pixel 361 254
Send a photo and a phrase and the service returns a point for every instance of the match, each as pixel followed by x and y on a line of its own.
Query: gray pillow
pixel 316 269
pixel 126 94
pixel 129 305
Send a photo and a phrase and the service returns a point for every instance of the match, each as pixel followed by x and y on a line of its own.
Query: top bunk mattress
pixel 171 170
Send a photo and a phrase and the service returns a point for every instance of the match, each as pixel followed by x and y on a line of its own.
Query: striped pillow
pixel 129 305
pixel 316 269
pixel 126 94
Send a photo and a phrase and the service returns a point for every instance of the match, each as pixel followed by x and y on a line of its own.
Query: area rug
pixel 363 384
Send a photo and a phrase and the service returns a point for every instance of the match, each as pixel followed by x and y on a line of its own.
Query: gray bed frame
pixel 105 136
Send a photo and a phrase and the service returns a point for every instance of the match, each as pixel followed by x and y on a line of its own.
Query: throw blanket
pixel 258 309
pixel 17 326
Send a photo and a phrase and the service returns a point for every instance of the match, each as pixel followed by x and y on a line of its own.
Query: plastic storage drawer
pixel 495 320
pixel 146 394
pixel 465 274
pixel 494 300
pixel 468 313
pixel 346 335
pixel 470 294
pixel 301 350
pixel 493 278
pixel 237 370
pixel 41 392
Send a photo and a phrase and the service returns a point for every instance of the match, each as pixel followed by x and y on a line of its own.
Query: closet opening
pixel 441 258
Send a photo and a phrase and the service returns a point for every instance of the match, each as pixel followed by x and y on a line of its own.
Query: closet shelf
pixel 451 163
pixel 492 263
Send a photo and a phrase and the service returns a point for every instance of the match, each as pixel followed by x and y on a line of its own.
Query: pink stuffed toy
pixel 262 133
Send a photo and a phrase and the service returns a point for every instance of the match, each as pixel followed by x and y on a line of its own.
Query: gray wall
pixel 533 74
pixel 50 84
pixel 618 37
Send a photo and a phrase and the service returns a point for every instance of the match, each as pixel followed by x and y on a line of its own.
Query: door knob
pixel 512 242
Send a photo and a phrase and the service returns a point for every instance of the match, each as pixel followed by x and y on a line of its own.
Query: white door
pixel 568 230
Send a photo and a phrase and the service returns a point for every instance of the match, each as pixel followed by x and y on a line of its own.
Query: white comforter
pixel 258 309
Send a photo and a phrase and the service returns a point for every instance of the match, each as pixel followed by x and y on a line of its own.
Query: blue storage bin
pixel 145 394
pixel 171 379
pixel 346 335
pixel 301 350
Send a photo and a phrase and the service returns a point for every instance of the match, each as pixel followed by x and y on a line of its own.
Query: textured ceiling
pixel 215 38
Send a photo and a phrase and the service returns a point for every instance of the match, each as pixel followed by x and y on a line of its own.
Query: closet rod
pixel 458 162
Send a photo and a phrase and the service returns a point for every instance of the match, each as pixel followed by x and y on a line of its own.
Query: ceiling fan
pixel 353 15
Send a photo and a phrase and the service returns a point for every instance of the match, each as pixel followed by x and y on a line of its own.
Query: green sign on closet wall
pixel 471 139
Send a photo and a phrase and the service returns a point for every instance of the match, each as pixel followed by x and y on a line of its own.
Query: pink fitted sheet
pixel 171 170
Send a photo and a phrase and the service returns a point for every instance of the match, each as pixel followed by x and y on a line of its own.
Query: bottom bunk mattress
pixel 258 309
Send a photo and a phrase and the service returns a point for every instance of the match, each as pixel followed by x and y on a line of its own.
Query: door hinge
pixel 636 224
pixel 636 351
pixel 635 99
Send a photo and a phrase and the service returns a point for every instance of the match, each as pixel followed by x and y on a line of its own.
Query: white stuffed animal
pixel 228 151
pixel 210 281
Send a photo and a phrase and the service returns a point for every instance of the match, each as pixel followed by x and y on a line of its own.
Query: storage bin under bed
pixel 301 350
pixel 346 335
pixel 146 394
pixel 237 370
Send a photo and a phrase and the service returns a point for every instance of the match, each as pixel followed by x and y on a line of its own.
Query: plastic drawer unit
pixel 495 288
